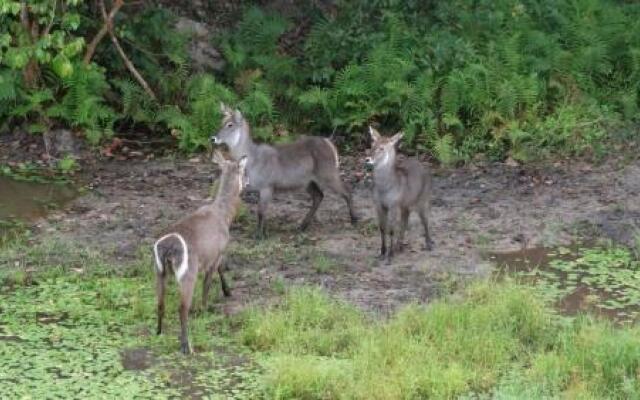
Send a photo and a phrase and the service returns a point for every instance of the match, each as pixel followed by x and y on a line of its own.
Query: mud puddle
pixel 597 280
pixel 221 372
pixel 137 359
pixel 29 200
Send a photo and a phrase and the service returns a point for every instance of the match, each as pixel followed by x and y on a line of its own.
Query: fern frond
pixel 8 85
pixel 452 92
pixel 444 150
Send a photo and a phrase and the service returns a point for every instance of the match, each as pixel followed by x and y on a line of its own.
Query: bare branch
pixel 53 18
pixel 123 55
pixel 91 48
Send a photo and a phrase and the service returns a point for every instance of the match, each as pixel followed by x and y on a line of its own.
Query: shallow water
pixel 595 280
pixel 29 200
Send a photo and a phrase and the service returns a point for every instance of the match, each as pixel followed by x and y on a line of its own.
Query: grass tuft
pixel 500 340
pixel 307 322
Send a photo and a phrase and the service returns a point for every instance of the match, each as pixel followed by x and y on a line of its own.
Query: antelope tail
pixel 334 150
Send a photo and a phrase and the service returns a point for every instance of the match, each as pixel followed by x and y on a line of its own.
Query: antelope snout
pixel 368 161
pixel 214 139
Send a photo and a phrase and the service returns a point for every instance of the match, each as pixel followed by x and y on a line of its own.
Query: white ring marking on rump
pixel 184 265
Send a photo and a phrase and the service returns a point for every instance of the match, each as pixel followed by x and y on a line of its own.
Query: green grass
pixel 323 264
pixel 498 340
pixel 68 319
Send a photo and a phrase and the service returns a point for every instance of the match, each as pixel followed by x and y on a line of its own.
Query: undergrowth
pixel 520 78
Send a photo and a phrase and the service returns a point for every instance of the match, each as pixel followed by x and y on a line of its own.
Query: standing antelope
pixel 310 162
pixel 196 242
pixel 399 186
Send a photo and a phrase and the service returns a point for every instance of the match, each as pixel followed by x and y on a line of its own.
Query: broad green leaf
pixel 62 66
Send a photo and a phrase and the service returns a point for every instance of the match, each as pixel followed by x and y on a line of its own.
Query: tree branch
pixel 123 55
pixel 24 15
pixel 91 48
pixel 53 18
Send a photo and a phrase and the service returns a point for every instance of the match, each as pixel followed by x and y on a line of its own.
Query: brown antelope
pixel 196 242
pixel 311 162
pixel 400 186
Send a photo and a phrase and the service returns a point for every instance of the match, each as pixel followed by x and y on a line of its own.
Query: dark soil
pixel 482 208
pixel 476 210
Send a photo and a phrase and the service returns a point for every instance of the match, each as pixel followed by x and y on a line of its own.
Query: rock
pixel 510 162
pixel 189 26
pixel 61 142
pixel 204 56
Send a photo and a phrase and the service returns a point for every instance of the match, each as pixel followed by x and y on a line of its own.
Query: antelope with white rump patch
pixel 311 162
pixel 196 242
pixel 400 186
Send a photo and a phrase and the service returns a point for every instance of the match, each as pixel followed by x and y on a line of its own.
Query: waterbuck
pixel 196 242
pixel 310 162
pixel 400 186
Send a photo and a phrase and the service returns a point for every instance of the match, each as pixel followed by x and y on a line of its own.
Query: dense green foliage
pixel 510 77
pixel 460 77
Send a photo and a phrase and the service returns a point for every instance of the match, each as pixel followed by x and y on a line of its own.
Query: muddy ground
pixel 476 209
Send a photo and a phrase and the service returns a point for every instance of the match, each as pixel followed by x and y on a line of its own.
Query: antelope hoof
pixel 354 220
pixel 429 245
pixel 303 226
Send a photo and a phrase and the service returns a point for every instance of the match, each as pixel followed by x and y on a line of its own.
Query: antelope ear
pixel 237 116
pixel 396 138
pixel 226 111
pixel 218 158
pixel 375 135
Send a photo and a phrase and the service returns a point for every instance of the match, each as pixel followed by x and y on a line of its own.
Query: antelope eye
pixel 229 125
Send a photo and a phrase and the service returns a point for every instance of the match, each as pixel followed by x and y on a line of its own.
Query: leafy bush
pixel 42 81
pixel 519 78
pixel 202 116
pixel 489 76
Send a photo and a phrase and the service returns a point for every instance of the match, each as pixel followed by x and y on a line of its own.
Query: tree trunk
pixel 31 72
